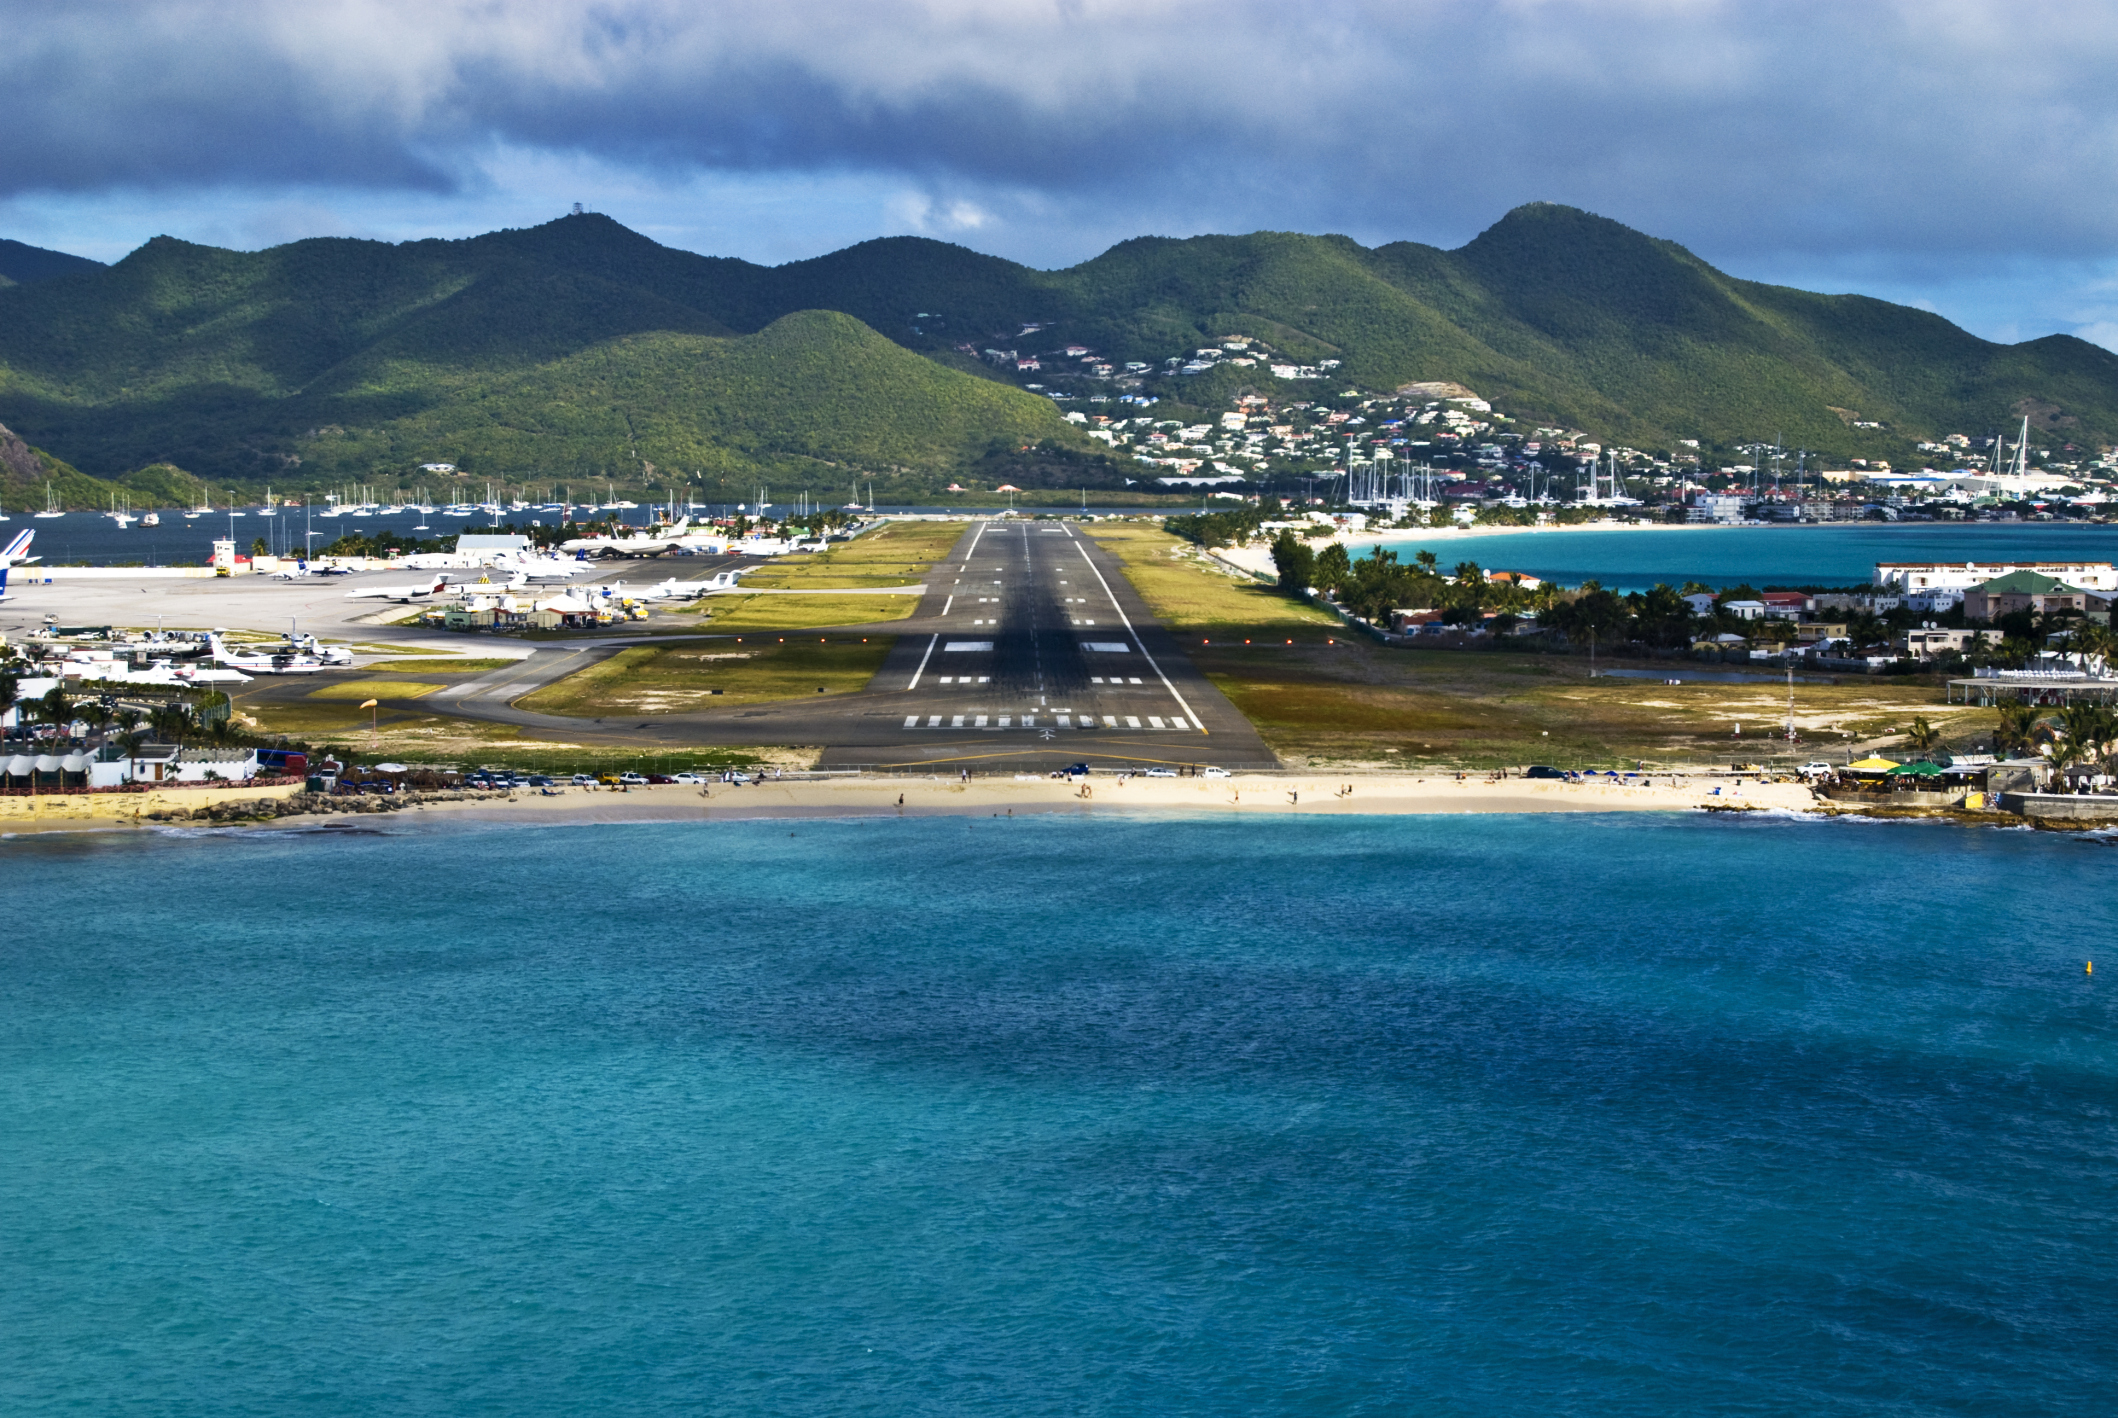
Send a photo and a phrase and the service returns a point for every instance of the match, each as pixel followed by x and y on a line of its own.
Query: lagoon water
pixel 1641 1115
pixel 1844 554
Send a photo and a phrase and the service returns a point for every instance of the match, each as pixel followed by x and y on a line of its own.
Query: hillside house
pixel 2030 591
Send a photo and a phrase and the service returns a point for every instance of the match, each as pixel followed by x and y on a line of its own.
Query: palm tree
pixel 2087 732
pixel 55 708
pixel 2096 644
pixel 1923 736
pixel 2016 731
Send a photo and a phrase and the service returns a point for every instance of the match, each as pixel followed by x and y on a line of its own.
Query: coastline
pixel 1307 794
pixel 1242 795
pixel 1256 557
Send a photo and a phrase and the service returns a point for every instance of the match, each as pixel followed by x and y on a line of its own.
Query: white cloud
pixel 1798 135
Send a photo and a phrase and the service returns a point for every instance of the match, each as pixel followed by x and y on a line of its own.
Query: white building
pixel 1911 576
pixel 1715 508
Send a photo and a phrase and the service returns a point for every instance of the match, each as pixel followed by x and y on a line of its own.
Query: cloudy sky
pixel 1957 154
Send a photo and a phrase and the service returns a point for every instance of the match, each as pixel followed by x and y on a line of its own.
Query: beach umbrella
pixel 1921 769
pixel 1873 765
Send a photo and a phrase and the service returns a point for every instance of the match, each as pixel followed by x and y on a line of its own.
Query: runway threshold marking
pixel 1127 621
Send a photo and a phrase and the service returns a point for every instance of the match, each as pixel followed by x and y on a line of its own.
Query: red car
pixel 660 778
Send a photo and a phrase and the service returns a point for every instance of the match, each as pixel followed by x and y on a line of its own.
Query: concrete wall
pixel 28 811
pixel 2061 807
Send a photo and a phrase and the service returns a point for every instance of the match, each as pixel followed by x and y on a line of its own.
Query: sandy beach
pixel 879 796
pixel 1244 794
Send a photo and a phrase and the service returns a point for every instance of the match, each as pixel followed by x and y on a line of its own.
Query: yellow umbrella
pixel 1873 765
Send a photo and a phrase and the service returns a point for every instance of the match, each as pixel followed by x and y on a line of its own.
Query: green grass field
pixel 1187 591
pixel 735 613
pixel 753 669
pixel 359 689
pixel 1320 693
pixel 895 555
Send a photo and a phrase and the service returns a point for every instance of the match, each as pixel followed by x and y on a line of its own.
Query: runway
pixel 1029 650
pixel 1032 648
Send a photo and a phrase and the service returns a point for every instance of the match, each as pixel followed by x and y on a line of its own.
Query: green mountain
pixel 1556 314
pixel 579 350
pixel 31 477
pixel 22 265
pixel 568 354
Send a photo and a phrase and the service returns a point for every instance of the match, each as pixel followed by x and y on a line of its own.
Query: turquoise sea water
pixel 1761 556
pixel 1591 1116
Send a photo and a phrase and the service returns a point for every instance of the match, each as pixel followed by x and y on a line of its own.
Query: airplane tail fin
pixel 18 548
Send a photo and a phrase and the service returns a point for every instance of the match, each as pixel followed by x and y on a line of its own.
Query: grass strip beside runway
pixel 1186 590
pixel 896 555
pixel 682 679
pixel 385 689
pixel 733 613
pixel 1320 693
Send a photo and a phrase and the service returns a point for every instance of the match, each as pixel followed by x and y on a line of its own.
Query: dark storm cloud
pixel 1935 129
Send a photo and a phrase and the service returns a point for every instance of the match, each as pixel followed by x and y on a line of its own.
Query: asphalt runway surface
pixel 1028 651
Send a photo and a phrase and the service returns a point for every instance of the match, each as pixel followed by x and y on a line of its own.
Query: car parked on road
pixel 631 780
pixel 660 778
pixel 1543 770
pixel 688 778
pixel 1211 772
pixel 1161 773
pixel 539 780
pixel 584 780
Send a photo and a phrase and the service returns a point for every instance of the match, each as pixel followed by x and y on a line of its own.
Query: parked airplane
pixel 654 542
pixel 398 593
pixel 670 590
pixel 542 570
pixel 18 550
pixel 275 660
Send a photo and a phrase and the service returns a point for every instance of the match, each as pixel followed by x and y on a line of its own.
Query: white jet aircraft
pixel 653 542
pixel 398 593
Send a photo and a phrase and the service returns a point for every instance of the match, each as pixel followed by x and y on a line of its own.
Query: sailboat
pixel 51 504
pixel 205 506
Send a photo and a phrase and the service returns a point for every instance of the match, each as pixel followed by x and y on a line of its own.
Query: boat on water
pixel 151 519
pixel 51 504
